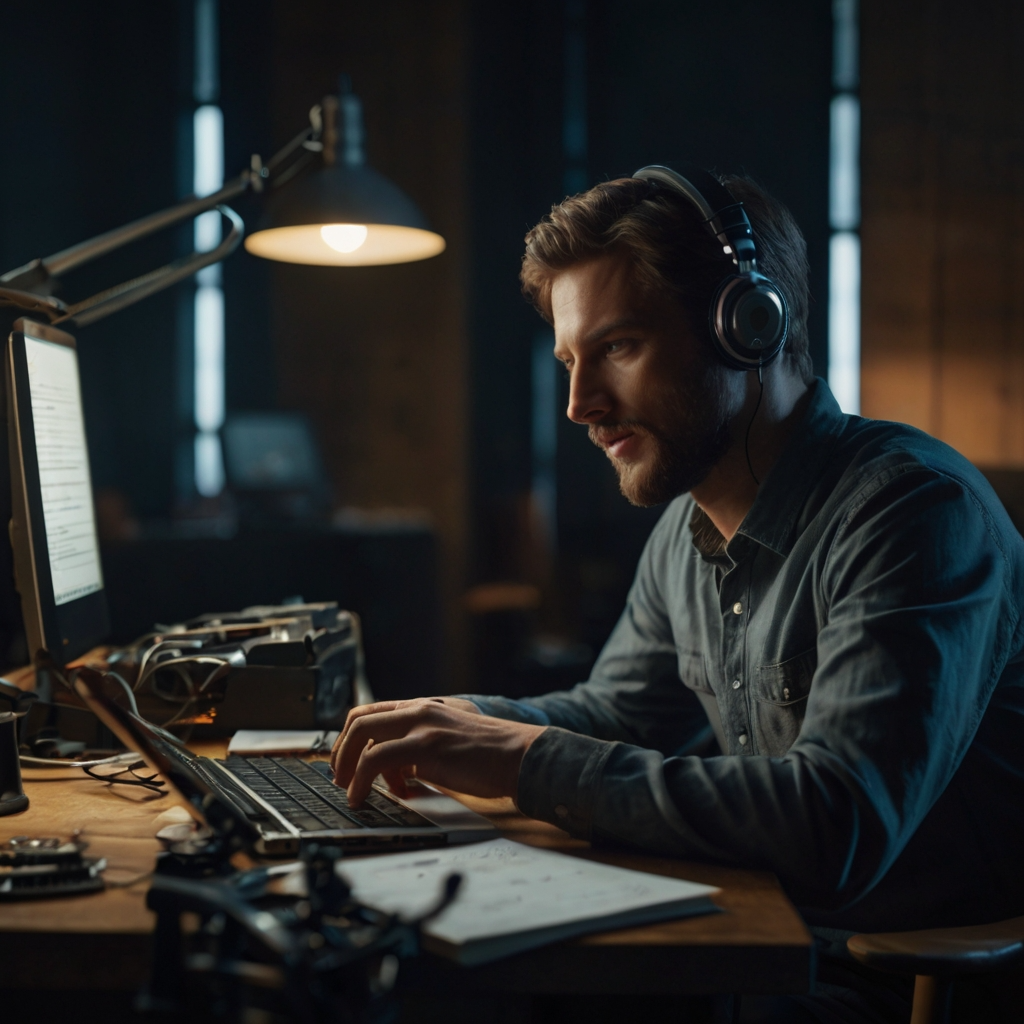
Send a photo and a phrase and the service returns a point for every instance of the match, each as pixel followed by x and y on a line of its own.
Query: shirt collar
pixel 773 517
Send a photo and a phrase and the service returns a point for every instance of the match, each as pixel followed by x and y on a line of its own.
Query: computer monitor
pixel 53 530
pixel 272 451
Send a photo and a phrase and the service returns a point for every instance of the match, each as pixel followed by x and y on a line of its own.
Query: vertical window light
pixel 844 212
pixel 208 177
pixel 209 383
pixel 844 319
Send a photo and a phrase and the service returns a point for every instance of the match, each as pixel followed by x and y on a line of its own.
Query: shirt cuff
pixel 559 779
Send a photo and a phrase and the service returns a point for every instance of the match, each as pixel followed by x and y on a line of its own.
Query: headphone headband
pixel 724 216
pixel 703 189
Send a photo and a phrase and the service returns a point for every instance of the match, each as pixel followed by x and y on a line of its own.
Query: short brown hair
pixel 662 235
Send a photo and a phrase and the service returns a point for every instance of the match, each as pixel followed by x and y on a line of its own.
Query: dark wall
pixel 89 138
pixel 740 88
pixel 89 101
pixel 247 86
pixel 376 356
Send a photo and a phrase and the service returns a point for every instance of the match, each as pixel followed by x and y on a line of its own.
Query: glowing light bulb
pixel 344 237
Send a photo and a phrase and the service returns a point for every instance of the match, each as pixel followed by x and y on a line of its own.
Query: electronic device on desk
pixel 291 666
pixel 47 868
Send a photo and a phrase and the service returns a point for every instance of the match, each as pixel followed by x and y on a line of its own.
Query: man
pixel 839 599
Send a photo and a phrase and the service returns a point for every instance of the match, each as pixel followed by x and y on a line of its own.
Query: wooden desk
pixel 759 943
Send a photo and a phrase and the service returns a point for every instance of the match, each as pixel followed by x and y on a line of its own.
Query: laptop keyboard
pixel 305 796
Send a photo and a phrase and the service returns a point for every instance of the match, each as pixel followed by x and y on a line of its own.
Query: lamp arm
pixel 40 272
pixel 102 304
pixel 68 259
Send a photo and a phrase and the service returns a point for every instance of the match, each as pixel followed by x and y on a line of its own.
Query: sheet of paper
pixel 509 888
pixel 281 741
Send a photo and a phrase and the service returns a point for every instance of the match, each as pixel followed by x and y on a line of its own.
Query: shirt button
pixel 736 684
pixel 737 608
pixel 562 811
pixel 743 739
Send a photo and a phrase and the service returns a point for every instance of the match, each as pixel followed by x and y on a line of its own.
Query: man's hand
pixel 439 739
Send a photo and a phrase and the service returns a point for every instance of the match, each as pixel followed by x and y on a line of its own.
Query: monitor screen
pixel 271 451
pixel 53 529
pixel 64 481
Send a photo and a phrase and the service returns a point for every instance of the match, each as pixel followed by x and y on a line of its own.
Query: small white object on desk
pixel 515 897
pixel 282 741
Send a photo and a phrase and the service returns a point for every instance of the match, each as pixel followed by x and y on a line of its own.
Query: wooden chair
pixel 937 956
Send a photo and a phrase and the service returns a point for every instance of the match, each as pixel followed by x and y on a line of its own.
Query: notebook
pixel 515 897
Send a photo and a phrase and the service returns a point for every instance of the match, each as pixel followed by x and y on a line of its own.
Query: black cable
pixel 746 443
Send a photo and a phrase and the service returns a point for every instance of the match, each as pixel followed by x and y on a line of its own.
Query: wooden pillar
pixel 943 222
pixel 377 355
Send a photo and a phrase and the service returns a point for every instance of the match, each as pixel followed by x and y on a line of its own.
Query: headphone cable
pixel 746 443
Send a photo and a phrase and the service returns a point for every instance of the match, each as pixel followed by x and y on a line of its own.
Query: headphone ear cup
pixel 749 321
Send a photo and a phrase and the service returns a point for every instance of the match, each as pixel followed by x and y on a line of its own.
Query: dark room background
pixel 480 536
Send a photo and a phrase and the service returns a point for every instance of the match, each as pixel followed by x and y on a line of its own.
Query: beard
pixel 688 433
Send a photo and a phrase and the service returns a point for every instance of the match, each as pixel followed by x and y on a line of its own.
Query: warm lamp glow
pixel 381 243
pixel 344 237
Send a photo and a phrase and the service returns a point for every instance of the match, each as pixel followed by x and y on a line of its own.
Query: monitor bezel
pixel 61 632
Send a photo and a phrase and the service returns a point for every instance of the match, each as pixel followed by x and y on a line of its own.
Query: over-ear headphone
pixel 749 317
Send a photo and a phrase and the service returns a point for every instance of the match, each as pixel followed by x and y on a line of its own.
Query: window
pixel 208 302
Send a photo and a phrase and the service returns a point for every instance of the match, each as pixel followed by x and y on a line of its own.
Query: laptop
pixel 275 803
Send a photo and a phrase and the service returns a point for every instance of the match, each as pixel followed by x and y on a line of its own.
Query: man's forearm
pixel 657 712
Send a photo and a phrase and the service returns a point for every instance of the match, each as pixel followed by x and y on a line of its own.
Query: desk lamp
pixel 344 214
pixel 341 214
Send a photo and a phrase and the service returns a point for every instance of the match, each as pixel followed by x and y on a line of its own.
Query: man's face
pixel 652 396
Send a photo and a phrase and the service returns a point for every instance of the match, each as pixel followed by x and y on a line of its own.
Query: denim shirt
pixel 856 649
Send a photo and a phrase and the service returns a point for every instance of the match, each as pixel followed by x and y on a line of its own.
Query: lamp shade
pixel 344 215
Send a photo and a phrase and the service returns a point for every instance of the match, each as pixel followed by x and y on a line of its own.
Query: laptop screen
pixel 175 765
